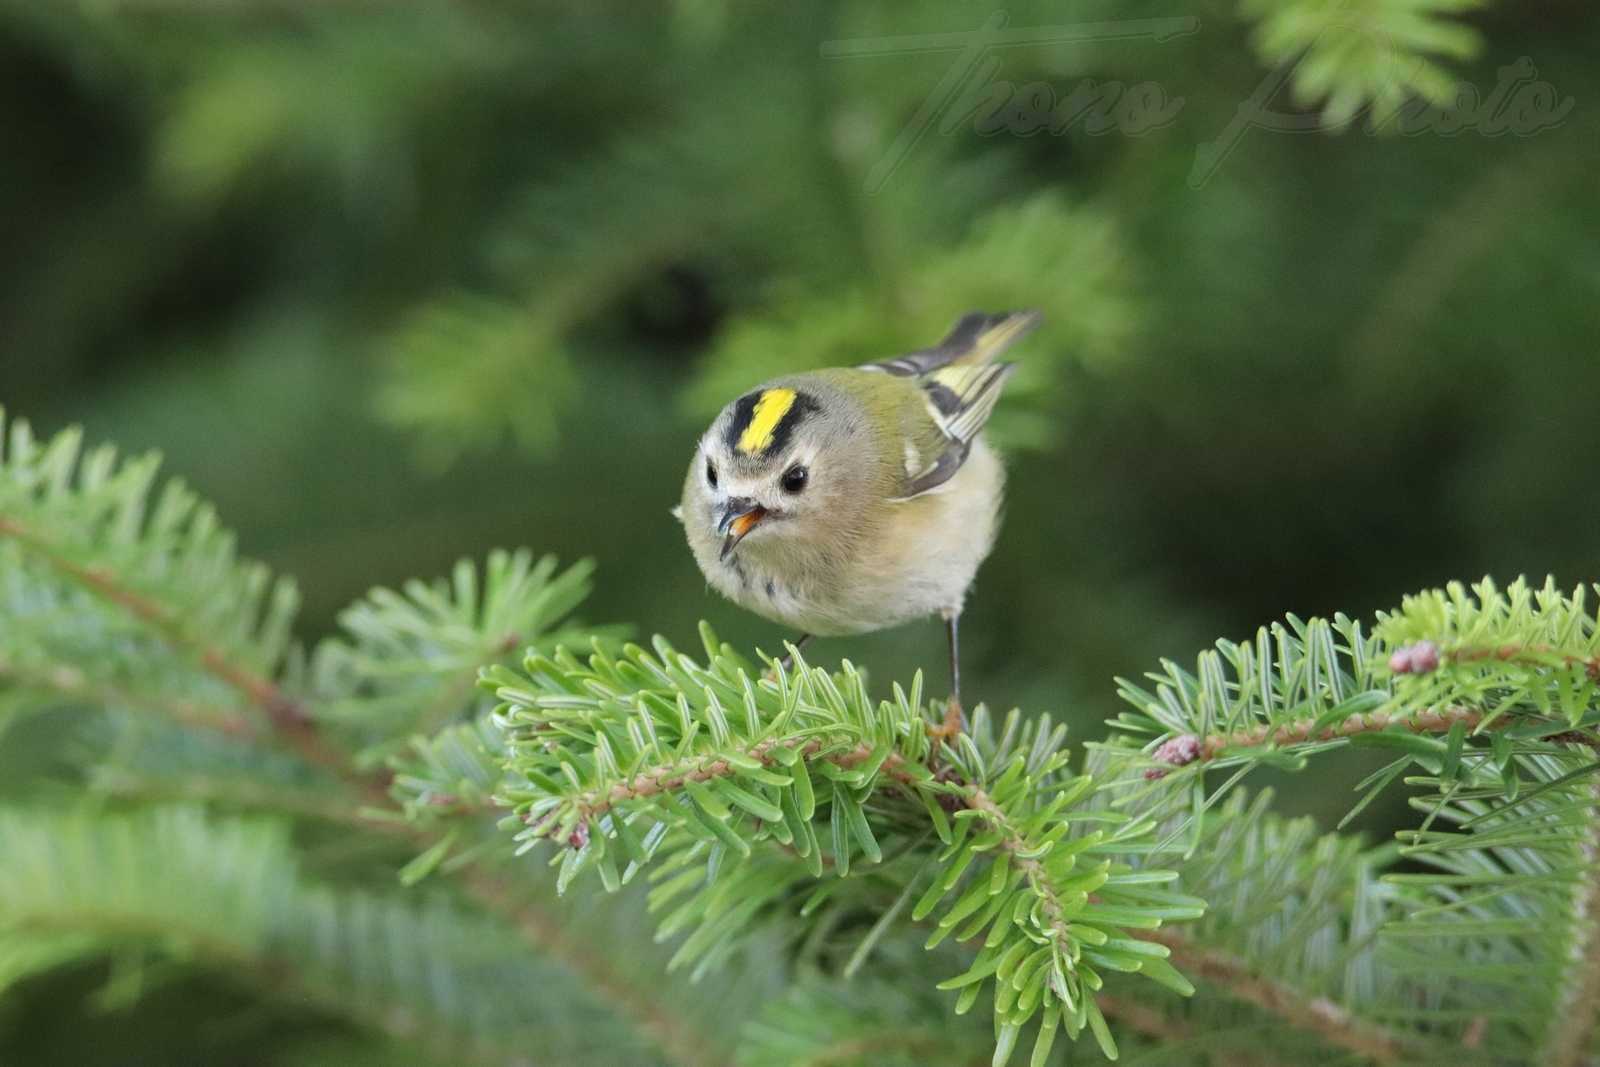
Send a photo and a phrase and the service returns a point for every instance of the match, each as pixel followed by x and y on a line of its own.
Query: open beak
pixel 739 517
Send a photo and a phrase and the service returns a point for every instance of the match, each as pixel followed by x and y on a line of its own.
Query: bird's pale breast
pixel 920 561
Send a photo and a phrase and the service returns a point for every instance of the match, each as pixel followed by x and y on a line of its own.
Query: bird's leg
pixel 955 719
pixel 787 662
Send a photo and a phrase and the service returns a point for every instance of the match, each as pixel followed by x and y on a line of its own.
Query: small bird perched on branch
pixel 854 499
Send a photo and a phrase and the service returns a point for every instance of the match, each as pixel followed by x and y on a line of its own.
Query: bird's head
pixel 785 464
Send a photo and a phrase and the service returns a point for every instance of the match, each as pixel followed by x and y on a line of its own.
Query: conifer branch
pixel 723 784
pixel 291 723
pixel 1033 870
pixel 1145 1020
pixel 1186 748
pixel 1314 1015
pixel 227 891
pixel 70 683
pixel 1529 655
pixel 668 1032
pixel 286 716
pixel 860 1048
pixel 238 796
pixel 675 775
pixel 1578 1013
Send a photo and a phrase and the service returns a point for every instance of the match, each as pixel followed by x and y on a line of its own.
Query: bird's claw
pixel 786 665
pixel 955 722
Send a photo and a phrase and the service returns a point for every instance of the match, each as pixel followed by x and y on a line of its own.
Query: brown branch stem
pixel 286 716
pixel 1315 1015
pixel 1427 721
pixel 858 1049
pixel 72 684
pixel 290 721
pixel 663 1028
pixel 239 795
pixel 1143 1018
pixel 668 777
pixel 1032 869
pixel 295 727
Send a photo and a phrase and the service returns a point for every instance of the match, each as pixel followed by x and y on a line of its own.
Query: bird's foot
pixel 786 665
pixel 955 722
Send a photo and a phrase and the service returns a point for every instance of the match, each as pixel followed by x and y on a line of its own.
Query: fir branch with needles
pixel 137 572
pixel 796 842
pixel 1377 56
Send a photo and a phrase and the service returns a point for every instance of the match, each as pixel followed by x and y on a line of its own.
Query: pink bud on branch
pixel 1419 658
pixel 1178 751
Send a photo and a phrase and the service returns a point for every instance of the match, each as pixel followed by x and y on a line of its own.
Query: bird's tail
pixel 977 338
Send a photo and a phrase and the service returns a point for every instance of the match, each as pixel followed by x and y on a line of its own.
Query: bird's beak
pixel 739 517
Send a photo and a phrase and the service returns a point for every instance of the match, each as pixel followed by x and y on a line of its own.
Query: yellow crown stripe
pixel 769 411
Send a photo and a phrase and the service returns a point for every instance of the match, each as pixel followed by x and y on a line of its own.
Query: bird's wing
pixel 959 385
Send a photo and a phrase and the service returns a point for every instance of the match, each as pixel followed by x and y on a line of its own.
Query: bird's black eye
pixel 794 479
pixel 711 474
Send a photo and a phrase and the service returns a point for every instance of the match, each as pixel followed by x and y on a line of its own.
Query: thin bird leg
pixel 955 719
pixel 787 662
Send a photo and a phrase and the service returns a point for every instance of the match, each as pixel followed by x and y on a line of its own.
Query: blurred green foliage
pixel 395 283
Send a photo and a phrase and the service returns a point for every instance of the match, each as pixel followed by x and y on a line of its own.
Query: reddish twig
pixel 287 717
pixel 670 776
pixel 1316 1015
pixel 72 684
pixel 1187 748
pixel 664 1029
pixel 291 723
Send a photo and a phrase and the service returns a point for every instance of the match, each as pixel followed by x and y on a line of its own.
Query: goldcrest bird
pixel 854 499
